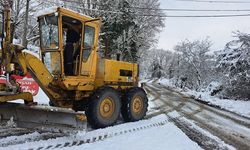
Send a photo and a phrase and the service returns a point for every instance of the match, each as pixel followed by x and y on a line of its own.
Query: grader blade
pixel 42 117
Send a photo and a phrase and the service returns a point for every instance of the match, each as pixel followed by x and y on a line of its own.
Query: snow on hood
pixel 46 11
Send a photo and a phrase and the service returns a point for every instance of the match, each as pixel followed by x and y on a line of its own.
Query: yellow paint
pixel 107 108
pixel 81 117
pixel 137 105
pixel 27 97
pixel 90 74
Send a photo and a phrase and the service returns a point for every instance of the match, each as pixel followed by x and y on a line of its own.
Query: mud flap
pixel 42 117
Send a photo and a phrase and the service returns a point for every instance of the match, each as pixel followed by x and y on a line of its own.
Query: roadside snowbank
pixel 238 106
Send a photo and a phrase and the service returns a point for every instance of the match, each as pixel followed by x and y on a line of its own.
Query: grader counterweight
pixel 72 75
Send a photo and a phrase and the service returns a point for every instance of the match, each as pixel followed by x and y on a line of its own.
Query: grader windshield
pixel 50 43
pixel 49 32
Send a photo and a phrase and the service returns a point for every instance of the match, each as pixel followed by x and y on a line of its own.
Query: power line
pixel 219 1
pixel 203 16
pixel 169 9
pixel 199 10
pixel 184 9
pixel 164 16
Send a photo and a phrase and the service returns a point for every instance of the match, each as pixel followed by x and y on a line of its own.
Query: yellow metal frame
pixel 89 75
pixel 27 97
pixel 92 74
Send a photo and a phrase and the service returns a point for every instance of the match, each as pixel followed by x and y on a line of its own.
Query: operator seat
pixel 71 38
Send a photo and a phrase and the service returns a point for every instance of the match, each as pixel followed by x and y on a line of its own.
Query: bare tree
pixel 24 39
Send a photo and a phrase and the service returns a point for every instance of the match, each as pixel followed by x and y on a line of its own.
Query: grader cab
pixel 71 73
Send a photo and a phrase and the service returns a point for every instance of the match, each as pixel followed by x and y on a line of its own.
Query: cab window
pixel 89 38
pixel 49 32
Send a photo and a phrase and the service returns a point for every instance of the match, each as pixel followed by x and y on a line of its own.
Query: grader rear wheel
pixel 104 108
pixel 134 105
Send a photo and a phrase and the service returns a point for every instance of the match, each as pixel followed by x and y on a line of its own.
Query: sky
pixel 218 30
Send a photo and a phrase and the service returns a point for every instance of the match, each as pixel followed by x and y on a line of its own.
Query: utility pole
pixel 24 39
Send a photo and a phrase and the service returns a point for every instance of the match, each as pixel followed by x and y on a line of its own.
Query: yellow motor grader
pixel 81 85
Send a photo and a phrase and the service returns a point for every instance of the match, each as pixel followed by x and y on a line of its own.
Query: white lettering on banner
pixel 25 82
pixel 28 89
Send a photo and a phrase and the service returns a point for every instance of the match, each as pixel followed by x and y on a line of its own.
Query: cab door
pixel 89 49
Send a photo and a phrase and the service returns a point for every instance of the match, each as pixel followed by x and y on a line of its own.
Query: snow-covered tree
pixel 19 20
pixel 156 63
pixel 129 26
pixel 193 63
pixel 234 64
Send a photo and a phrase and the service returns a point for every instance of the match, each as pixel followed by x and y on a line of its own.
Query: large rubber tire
pixel 134 105
pixel 103 108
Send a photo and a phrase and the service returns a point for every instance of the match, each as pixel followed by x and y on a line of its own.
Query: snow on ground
pixel 145 81
pixel 166 82
pixel 237 106
pixel 164 137
pixel 41 97
pixel 167 136
pixel 175 114
pixel 151 104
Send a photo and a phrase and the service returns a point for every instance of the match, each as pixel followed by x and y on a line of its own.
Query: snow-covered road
pixel 174 121
pixel 229 127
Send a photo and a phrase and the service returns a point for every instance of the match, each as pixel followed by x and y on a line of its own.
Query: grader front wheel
pixel 104 108
pixel 134 105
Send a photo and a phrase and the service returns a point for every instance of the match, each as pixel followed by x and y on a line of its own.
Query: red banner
pixel 27 83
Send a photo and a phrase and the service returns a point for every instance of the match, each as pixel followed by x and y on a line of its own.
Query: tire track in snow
pixel 13 132
pixel 245 121
pixel 221 112
pixel 228 134
pixel 102 137
pixel 201 139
